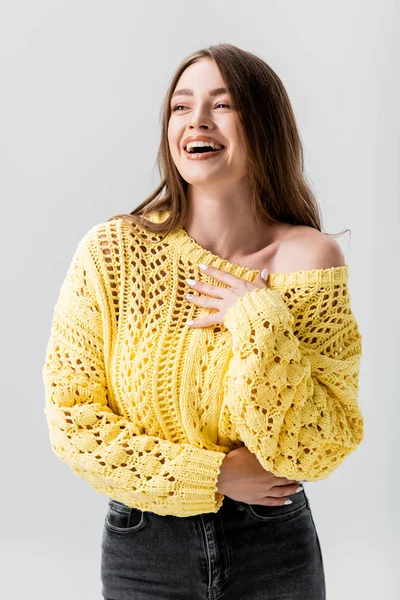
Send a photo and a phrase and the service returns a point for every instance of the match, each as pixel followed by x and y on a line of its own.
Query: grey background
pixel 82 85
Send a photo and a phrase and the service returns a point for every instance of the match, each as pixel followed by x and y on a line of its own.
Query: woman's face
pixel 200 113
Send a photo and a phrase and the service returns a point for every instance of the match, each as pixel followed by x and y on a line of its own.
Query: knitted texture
pixel 145 408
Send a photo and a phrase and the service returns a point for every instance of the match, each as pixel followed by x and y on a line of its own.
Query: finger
pixel 203 321
pixel 260 279
pixel 223 276
pixel 206 288
pixel 270 501
pixel 284 481
pixel 205 301
pixel 278 491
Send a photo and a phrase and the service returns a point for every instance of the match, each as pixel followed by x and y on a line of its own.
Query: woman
pixel 199 415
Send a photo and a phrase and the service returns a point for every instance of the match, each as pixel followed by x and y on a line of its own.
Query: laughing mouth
pixel 201 147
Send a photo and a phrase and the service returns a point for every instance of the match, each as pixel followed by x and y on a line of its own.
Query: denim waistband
pixel 231 502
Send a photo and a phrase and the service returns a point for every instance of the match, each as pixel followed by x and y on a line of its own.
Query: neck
pixel 227 228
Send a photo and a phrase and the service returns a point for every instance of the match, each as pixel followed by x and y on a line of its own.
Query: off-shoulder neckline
pixel 191 251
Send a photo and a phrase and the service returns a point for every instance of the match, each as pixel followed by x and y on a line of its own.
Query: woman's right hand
pixel 243 478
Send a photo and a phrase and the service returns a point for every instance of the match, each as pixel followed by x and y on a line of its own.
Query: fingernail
pixel 299 489
pixel 191 281
pixel 203 267
pixel 288 502
pixel 264 274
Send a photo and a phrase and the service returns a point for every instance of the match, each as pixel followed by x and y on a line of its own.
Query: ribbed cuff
pixel 254 308
pixel 199 476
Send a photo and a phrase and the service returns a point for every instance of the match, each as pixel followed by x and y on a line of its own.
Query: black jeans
pixel 242 552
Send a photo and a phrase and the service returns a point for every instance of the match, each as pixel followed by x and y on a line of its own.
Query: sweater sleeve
pixel 292 381
pixel 99 445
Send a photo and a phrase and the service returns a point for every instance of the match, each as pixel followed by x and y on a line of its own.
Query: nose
pixel 199 118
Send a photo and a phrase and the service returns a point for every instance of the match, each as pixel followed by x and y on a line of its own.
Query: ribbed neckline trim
pixel 190 251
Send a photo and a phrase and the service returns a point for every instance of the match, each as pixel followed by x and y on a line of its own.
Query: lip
pixel 203 156
pixel 200 138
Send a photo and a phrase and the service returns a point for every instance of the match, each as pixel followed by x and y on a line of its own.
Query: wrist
pixel 222 475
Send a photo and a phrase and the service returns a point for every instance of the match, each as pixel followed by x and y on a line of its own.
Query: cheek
pixel 240 145
pixel 235 134
pixel 170 135
pixel 173 139
pixel 238 152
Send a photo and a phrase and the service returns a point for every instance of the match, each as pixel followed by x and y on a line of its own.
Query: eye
pixel 183 106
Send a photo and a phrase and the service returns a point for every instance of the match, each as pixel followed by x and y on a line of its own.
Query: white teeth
pixel 191 145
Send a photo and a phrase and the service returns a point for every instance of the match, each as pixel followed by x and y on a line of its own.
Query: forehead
pixel 201 77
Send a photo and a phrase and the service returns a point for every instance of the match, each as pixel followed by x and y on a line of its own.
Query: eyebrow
pixel 188 92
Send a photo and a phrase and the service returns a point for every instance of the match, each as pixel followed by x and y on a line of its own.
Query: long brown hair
pixel 279 188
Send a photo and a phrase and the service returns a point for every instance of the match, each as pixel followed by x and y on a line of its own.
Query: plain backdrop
pixel 82 84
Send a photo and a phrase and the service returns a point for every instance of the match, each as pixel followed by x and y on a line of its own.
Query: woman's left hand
pixel 221 298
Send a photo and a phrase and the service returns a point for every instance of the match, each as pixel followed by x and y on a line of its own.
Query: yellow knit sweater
pixel 145 408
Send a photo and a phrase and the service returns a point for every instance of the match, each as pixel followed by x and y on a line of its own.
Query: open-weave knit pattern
pixel 145 408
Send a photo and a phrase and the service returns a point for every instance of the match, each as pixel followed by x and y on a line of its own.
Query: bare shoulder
pixel 306 248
